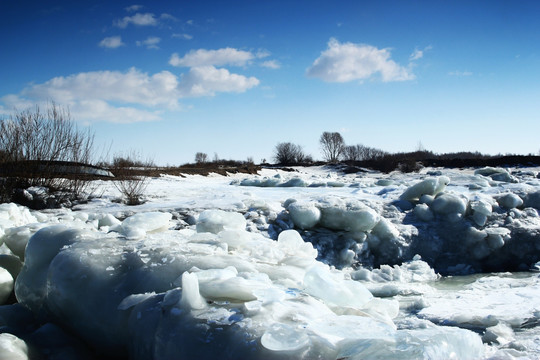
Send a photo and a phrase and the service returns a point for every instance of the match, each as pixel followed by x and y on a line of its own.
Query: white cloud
pixel 418 54
pixel 460 73
pixel 183 36
pixel 150 42
pixel 133 8
pixel 129 96
pixel 138 19
pixel 348 62
pixel 207 80
pixel 271 64
pixel 220 57
pixel 132 86
pixel 111 42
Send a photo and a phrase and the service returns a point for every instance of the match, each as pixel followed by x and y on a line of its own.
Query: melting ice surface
pixel 304 265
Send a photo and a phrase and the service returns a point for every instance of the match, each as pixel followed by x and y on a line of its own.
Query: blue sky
pixel 168 79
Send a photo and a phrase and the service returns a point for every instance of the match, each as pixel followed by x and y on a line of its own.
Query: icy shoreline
pixel 216 266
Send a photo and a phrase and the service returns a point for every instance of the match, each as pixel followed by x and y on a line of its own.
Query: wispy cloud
pixel 133 8
pixel 111 42
pixel 459 73
pixel 271 64
pixel 147 19
pixel 220 57
pixel 150 42
pixel 418 54
pixel 182 36
pixel 344 62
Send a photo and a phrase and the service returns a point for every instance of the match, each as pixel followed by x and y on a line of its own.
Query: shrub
pixel 289 154
pixel 37 147
pixel 128 180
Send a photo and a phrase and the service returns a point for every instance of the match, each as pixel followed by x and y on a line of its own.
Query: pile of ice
pixel 454 230
pixel 141 290
pixel 279 180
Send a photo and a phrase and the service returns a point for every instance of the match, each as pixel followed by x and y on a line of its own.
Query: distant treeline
pixel 414 161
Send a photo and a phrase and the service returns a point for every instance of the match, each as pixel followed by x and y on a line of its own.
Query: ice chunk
pixel 11 263
pixel 347 215
pixel 292 243
pixel 481 210
pixel 423 212
pixel 533 200
pixel 497 237
pixel 12 348
pixel 385 230
pixel 509 201
pixel 497 174
pixel 191 298
pixel 345 293
pixel 500 333
pixel 449 205
pixel 214 221
pixel 6 285
pixel 431 186
pixel 294 182
pixel 305 215
pixel 132 300
pixel 43 246
pixel 137 226
pixel 283 337
pixel 107 220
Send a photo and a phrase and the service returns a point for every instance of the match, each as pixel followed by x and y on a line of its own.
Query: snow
pixel 297 265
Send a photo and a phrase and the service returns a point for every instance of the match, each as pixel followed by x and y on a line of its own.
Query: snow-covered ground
pixel 439 264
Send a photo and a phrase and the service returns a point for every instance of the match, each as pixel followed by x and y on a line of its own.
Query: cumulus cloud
pixel 344 62
pixel 220 57
pixel 207 80
pixel 150 42
pixel 129 96
pixel 147 19
pixel 111 42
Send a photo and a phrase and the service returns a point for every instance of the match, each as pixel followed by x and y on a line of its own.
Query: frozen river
pixel 308 264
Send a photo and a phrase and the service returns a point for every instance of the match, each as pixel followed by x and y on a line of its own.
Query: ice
pixel 12 348
pixel 497 174
pixel 137 226
pixel 533 200
pixel 487 302
pixel 348 215
pixel 283 337
pixel 292 244
pixel 191 298
pixel 431 186
pixel 304 215
pixel 214 221
pixel 423 212
pixel 6 285
pixel 509 200
pixel 451 206
pixel 346 293
pixel 214 270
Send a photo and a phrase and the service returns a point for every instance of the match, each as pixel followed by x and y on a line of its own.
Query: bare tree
pixel 201 158
pixel 352 153
pixel 33 145
pixel 130 184
pixel 289 153
pixel 332 145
